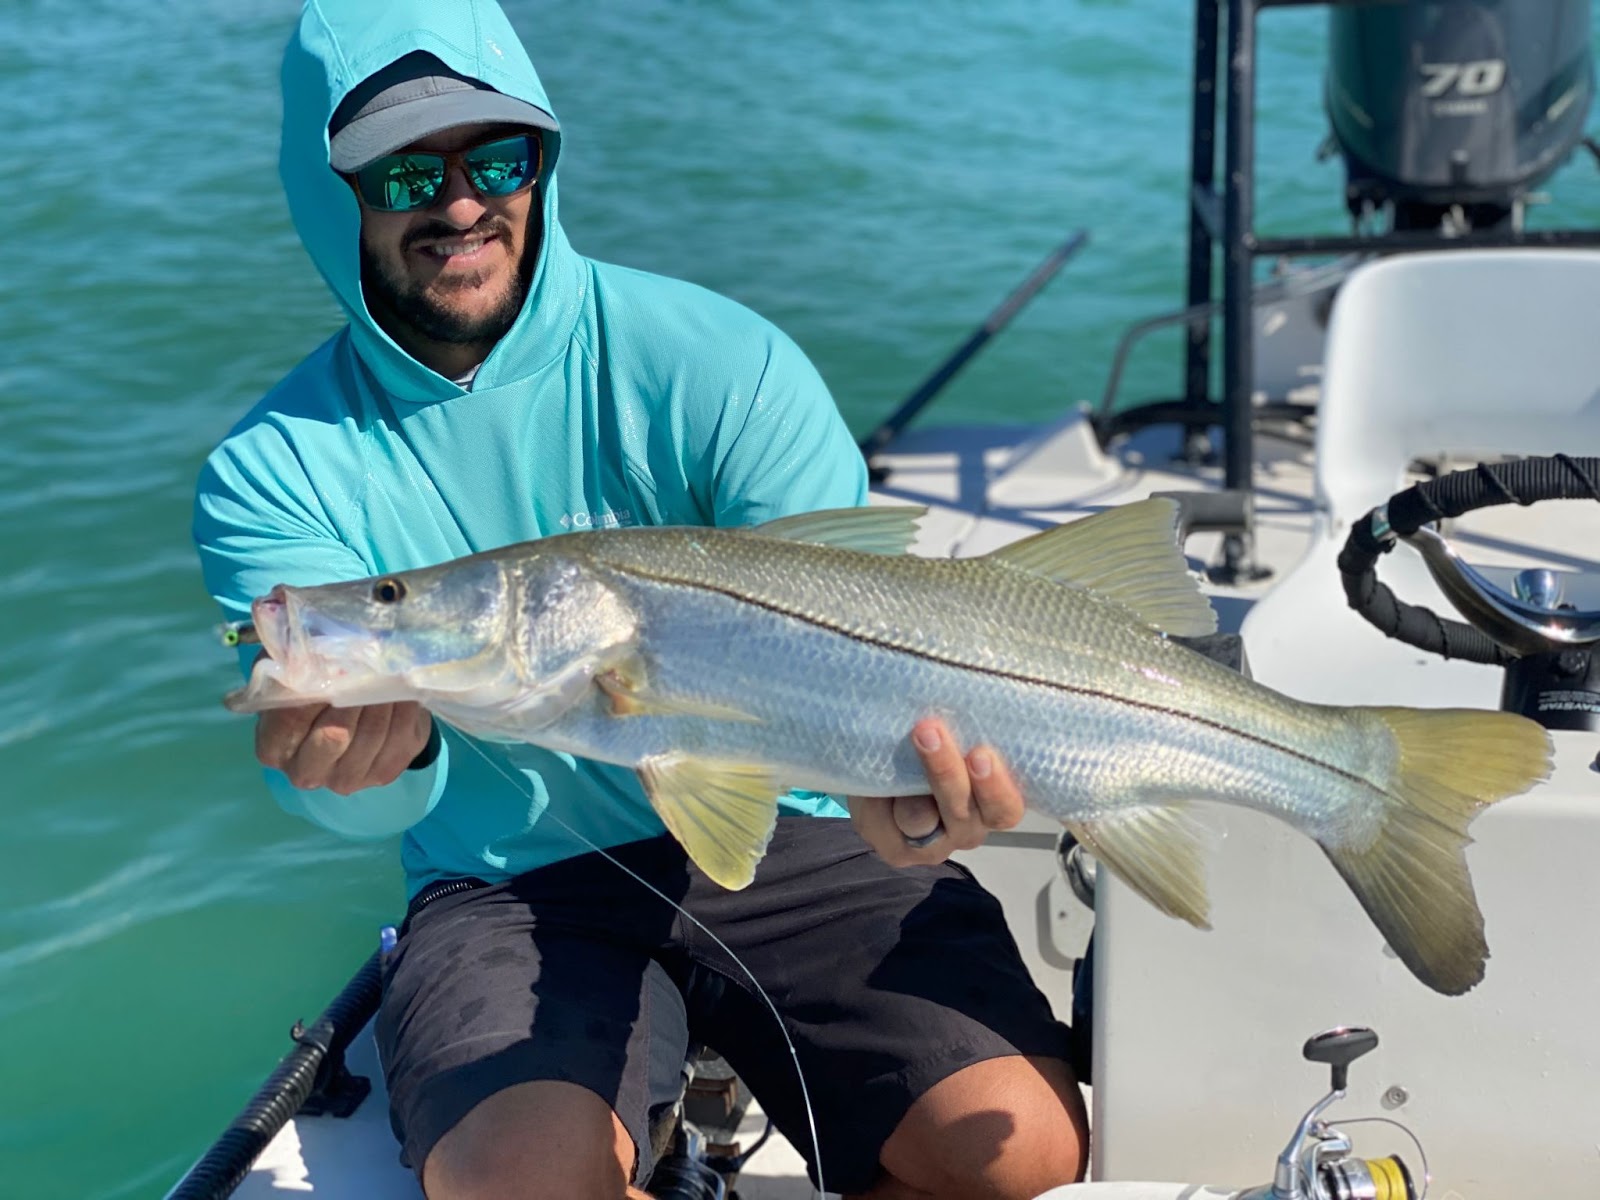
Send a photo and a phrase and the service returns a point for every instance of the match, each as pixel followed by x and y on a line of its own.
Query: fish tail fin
pixel 1412 876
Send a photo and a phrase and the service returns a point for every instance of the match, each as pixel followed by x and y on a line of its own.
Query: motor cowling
pixel 1463 104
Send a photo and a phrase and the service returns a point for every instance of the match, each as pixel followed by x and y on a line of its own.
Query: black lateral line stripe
pixel 1015 676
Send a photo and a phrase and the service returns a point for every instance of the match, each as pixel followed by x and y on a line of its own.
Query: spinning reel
pixel 1318 1163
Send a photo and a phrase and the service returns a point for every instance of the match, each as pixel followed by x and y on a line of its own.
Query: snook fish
pixel 729 665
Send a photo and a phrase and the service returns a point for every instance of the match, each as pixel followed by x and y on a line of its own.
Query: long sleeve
pixel 792 452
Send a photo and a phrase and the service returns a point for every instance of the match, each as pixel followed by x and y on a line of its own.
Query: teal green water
pixel 872 177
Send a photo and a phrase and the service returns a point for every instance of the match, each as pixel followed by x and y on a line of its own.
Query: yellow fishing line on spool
pixel 1390 1179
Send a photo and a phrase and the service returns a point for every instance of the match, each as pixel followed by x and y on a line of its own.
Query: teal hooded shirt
pixel 617 398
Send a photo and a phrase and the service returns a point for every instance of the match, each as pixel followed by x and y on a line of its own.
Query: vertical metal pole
pixel 1238 273
pixel 1202 181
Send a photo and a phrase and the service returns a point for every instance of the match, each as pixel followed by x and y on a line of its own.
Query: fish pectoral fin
pixel 881 529
pixel 521 709
pixel 1156 852
pixel 722 813
pixel 630 695
pixel 1129 554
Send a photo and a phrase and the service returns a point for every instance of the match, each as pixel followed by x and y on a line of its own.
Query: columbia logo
pixel 601 520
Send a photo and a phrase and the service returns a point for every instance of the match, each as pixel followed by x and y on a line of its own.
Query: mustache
pixel 489 226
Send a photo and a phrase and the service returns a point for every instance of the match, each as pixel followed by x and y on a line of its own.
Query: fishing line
pixel 800 1075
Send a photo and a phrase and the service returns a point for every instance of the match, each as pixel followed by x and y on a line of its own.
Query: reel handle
pixel 1338 1048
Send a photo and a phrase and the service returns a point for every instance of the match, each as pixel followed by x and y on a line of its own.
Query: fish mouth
pixel 308 644
pixel 277 675
pixel 308 657
pixel 270 616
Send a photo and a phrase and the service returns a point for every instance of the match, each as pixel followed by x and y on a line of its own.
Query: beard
pixel 424 309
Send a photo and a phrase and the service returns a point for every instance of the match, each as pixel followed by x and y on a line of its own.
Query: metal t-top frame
pixel 1233 209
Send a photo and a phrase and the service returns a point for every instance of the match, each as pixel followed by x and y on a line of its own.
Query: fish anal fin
pixel 1156 852
pixel 722 813
pixel 877 529
pixel 1129 554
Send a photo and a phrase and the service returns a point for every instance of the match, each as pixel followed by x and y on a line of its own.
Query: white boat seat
pixel 1461 356
pixel 1472 352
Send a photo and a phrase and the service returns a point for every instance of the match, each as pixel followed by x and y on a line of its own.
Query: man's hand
pixel 969 797
pixel 342 749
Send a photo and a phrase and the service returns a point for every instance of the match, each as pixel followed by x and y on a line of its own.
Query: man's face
pixel 455 273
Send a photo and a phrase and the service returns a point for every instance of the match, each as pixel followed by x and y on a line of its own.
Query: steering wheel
pixel 1504 627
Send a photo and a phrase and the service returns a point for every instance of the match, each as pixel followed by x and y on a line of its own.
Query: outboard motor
pixel 1449 112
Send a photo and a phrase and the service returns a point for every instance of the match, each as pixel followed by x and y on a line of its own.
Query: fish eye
pixel 388 591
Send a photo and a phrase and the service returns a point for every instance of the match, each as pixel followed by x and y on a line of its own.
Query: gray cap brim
pixel 371 137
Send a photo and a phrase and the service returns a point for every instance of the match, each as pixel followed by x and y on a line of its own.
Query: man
pixel 494 386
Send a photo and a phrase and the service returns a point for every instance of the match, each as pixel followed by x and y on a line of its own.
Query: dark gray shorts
pixel 888 981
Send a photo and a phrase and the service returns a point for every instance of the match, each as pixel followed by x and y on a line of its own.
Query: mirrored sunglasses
pixel 413 179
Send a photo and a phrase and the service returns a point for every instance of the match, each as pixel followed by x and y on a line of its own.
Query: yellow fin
pixel 1156 852
pixel 1129 554
pixel 883 529
pixel 630 696
pixel 1412 878
pixel 721 813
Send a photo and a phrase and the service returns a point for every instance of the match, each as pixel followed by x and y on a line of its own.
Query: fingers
pixel 969 795
pixel 918 818
pixel 280 731
pixel 343 749
pixel 408 734
pixel 995 793
pixel 975 793
pixel 874 819
pixel 949 781
pixel 331 732
pixel 350 770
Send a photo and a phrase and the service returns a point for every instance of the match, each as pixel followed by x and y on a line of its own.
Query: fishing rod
pixel 311 1078
pixel 946 371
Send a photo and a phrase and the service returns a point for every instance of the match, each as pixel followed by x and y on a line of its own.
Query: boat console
pixel 1432 360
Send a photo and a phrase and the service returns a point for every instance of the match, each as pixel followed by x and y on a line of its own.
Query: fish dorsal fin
pixel 881 529
pixel 1129 554
pixel 1156 852
pixel 722 813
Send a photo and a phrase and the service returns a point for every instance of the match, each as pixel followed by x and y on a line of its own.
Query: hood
pixel 338 44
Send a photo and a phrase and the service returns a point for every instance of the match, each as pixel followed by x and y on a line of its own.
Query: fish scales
pixel 1132 685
